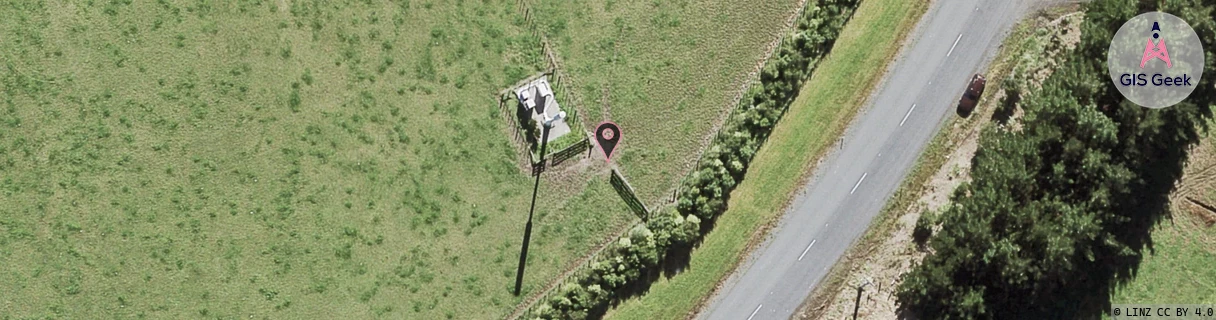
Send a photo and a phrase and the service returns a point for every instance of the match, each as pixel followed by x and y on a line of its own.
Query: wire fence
pixel 507 112
pixel 568 277
pixel 564 88
pixel 751 79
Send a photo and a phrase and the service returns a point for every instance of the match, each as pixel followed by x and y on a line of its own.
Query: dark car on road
pixel 966 104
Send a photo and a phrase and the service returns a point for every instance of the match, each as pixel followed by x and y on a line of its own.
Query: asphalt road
pixel 953 40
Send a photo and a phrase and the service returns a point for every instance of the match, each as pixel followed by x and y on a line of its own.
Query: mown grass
pixel 1179 267
pixel 1179 270
pixel 668 70
pixel 813 122
pixel 271 159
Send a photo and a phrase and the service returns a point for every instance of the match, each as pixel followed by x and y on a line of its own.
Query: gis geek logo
pixel 1156 51
pixel 1144 69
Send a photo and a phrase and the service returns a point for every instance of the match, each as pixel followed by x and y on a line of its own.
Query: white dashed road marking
pixel 808 248
pixel 863 178
pixel 901 123
pixel 960 36
pixel 754 312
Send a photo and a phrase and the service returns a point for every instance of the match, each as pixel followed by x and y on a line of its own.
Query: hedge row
pixel 705 192
pixel 625 265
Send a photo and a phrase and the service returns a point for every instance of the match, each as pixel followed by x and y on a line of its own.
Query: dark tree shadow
pixel 1145 206
pixel 1005 109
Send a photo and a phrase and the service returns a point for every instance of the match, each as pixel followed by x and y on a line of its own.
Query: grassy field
pixel 271 159
pixel 1179 269
pixel 812 123
pixel 665 71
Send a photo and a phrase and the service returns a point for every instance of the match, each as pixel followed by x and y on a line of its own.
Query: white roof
pixel 528 93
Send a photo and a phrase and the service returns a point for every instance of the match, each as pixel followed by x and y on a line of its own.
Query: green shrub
pixel 924 227
pixel 293 101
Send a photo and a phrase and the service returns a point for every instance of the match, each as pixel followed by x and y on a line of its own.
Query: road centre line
pixel 754 312
pixel 901 122
pixel 808 248
pixel 863 178
pixel 960 36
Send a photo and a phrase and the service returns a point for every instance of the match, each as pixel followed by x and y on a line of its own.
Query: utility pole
pixel 537 170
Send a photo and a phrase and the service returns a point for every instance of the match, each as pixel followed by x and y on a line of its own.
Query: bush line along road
pixel 878 150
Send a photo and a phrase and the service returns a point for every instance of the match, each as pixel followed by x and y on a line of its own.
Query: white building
pixel 537 99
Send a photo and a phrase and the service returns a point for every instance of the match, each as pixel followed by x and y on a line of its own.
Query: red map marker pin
pixel 607 136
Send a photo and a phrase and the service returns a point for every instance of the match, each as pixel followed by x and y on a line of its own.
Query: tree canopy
pixel 1059 211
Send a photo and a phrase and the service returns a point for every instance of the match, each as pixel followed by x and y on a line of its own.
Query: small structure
pixel 537 100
